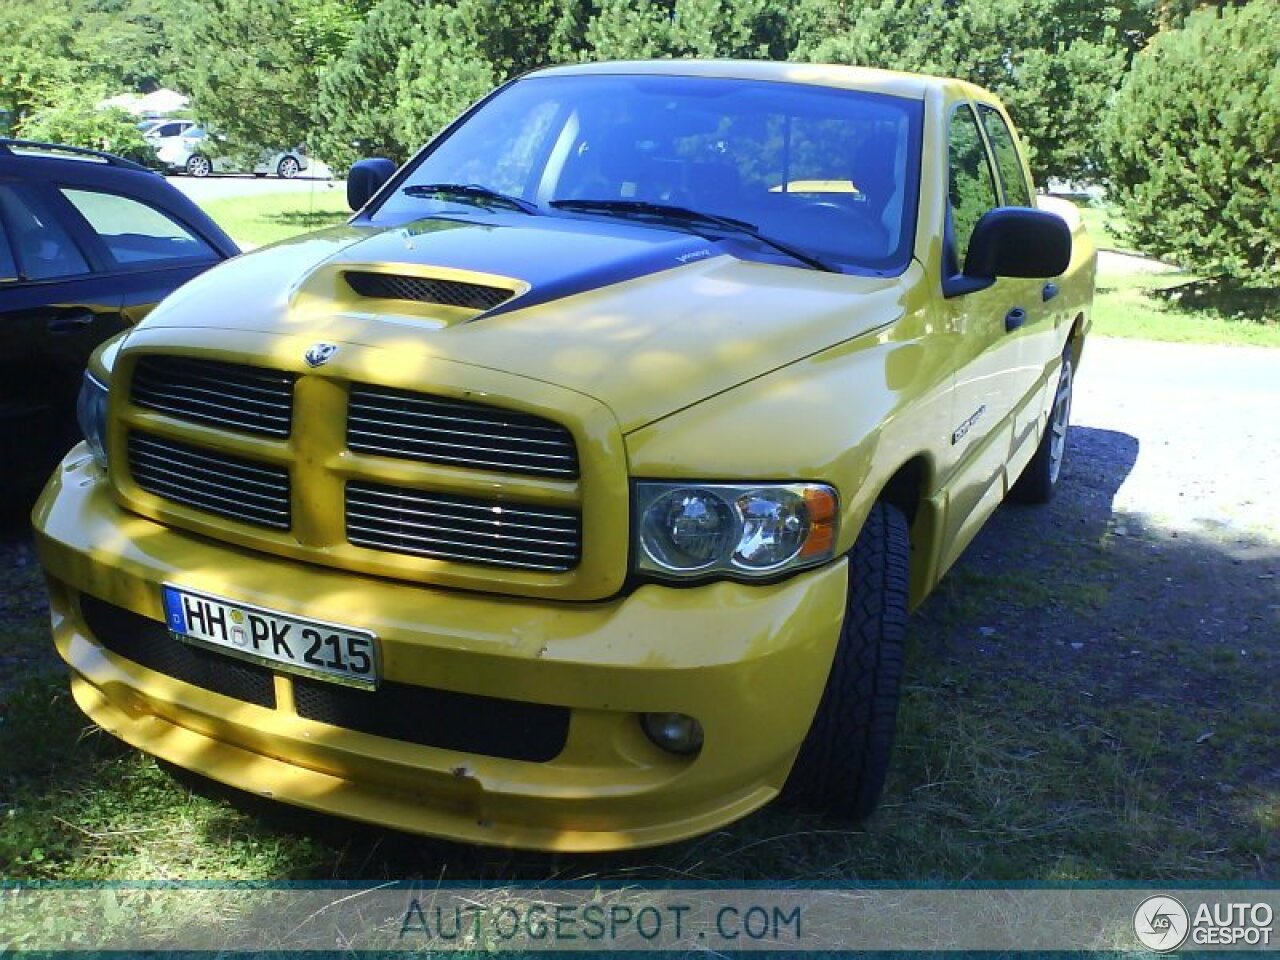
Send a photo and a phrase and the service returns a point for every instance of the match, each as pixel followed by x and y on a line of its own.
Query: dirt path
pixel 1144 602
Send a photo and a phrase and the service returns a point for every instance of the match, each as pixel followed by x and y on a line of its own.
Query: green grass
pixel 996 777
pixel 1182 308
pixel 265 218
pixel 1172 305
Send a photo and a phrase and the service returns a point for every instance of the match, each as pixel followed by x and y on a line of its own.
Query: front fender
pixel 849 416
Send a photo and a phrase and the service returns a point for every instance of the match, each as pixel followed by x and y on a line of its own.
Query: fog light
pixel 673 732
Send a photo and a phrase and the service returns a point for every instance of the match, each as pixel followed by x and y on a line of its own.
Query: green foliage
pixel 637 29
pixel 413 65
pixel 439 76
pixel 74 119
pixel 1193 143
pixel 358 93
pixel 1055 63
pixel 49 46
pixel 252 67
pixel 1171 14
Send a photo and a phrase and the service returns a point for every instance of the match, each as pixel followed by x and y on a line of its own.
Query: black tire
pixel 1040 476
pixel 842 765
pixel 198 165
pixel 288 167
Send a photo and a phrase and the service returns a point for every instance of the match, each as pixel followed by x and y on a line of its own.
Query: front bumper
pixel 748 661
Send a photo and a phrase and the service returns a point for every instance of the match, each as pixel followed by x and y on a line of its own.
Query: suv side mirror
pixel 366 178
pixel 1018 242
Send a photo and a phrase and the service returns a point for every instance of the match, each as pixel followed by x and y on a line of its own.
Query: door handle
pixel 68 322
pixel 1014 319
pixel 1049 291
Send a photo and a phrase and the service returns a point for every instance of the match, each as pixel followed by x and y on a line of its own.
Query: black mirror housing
pixel 1018 242
pixel 366 178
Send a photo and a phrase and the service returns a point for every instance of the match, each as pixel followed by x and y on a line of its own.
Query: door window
pixel 971 187
pixel 42 249
pixel 134 232
pixel 1013 181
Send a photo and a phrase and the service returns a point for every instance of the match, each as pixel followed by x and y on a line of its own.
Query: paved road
pixel 1205 418
pixel 219 186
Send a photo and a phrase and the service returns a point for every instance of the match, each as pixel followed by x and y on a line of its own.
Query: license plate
pixel 274 639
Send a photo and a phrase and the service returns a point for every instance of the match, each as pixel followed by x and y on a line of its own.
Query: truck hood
pixel 645 320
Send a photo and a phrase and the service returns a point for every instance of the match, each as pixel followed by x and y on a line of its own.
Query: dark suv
pixel 89 243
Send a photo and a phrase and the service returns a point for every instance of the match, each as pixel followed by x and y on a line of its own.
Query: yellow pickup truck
pixel 575 493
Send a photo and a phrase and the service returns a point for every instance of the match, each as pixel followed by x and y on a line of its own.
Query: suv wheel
pixel 843 762
pixel 198 165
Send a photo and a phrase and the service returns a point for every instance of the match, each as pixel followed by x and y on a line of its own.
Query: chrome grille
pixel 212 481
pixel 452 293
pixel 447 527
pixel 225 395
pixel 411 426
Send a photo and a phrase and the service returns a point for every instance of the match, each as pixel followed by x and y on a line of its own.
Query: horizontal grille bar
pixel 447 527
pixel 209 480
pixel 228 395
pixel 411 426
pixel 451 293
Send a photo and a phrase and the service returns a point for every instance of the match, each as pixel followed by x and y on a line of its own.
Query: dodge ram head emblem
pixel 319 354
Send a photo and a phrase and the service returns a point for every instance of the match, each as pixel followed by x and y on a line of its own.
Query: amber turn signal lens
pixel 821 504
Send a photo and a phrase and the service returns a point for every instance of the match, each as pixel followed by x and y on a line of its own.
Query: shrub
pixel 73 118
pixel 1193 143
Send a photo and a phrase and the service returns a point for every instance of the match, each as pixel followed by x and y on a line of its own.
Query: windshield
pixel 831 172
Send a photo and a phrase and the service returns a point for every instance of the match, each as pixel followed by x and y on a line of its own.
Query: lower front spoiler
pixel 375 804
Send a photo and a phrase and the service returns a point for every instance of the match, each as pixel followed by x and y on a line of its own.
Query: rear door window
pixel 1013 180
pixel 134 232
pixel 40 247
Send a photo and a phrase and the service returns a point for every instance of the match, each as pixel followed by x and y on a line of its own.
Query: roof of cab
pixel 912 85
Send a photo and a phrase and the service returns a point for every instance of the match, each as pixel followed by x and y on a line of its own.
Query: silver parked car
pixel 189 153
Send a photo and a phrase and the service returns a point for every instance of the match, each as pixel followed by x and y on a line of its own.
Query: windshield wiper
pixel 672 212
pixel 470 191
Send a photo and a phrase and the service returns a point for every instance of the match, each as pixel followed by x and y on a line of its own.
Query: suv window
pixel 42 248
pixel 971 185
pixel 134 232
pixel 1013 181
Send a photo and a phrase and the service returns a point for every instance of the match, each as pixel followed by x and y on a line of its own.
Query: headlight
pixel 91 414
pixel 692 530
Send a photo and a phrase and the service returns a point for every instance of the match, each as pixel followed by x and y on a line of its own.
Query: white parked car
pixel 189 153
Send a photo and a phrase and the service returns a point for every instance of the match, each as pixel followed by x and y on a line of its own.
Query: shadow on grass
pixel 305 219
pixel 1224 298
pixel 1079 703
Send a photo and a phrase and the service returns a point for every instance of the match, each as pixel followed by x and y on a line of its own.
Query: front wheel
pixel 844 759
pixel 198 165
pixel 288 168
pixel 1040 478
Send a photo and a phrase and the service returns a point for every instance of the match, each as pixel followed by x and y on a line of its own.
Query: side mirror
pixel 1018 242
pixel 366 178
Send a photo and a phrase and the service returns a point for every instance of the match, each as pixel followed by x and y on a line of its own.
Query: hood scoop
pixel 449 293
